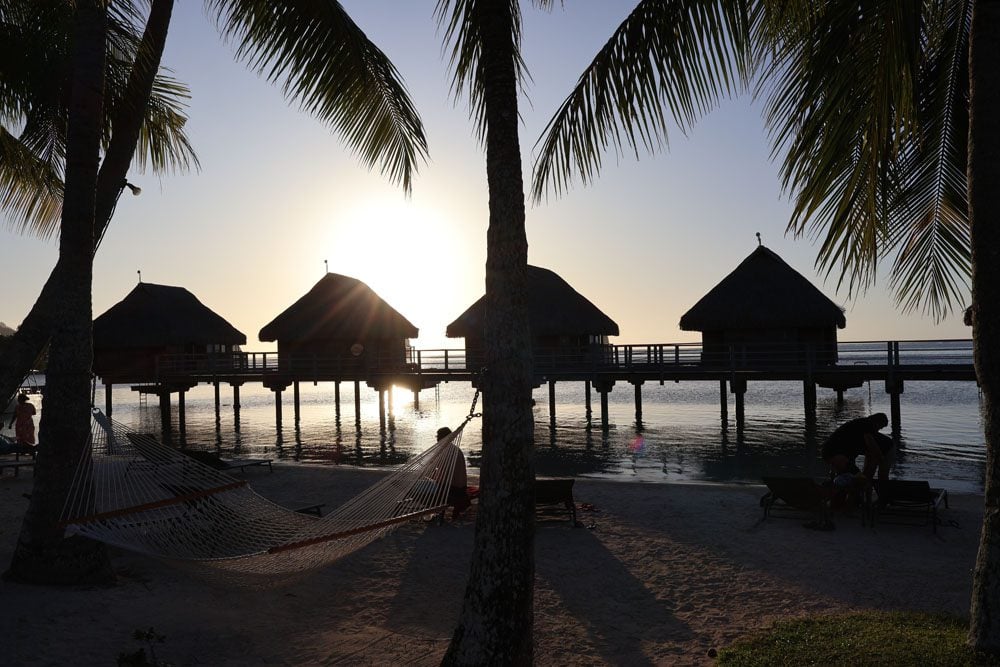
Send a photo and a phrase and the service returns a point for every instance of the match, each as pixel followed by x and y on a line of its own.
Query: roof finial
pixel 326 267
pixel 758 239
pixel 140 275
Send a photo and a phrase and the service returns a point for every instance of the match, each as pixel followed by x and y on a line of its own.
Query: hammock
pixel 134 492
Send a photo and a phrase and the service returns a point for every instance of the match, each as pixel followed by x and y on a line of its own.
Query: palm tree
pixel 495 626
pixel 884 113
pixel 36 79
pixel 326 63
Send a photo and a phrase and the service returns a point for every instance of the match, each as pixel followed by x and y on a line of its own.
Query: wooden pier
pixel 891 363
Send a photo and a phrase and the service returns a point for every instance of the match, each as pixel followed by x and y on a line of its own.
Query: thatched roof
pixel 763 292
pixel 554 309
pixel 338 307
pixel 156 315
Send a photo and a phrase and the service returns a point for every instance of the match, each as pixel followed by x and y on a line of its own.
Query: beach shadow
pixel 431 587
pixel 618 611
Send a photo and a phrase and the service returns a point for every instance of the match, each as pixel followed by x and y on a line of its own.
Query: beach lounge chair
pixel 796 497
pixel 908 502
pixel 215 461
pixel 556 492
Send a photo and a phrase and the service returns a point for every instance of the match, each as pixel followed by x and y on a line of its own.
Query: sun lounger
pixel 795 497
pixel 556 492
pixel 215 461
pixel 243 464
pixel 909 502
pixel 15 466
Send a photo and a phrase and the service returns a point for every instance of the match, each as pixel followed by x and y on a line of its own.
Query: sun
pixel 402 251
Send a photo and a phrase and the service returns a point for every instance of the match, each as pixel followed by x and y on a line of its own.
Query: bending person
pixel 857 437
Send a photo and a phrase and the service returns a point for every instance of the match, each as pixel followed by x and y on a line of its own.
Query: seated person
pixel 458 495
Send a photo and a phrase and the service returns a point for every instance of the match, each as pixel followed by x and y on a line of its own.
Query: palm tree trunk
pixel 984 202
pixel 42 555
pixel 29 340
pixel 495 626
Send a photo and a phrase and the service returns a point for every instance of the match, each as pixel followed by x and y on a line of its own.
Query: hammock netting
pixel 132 491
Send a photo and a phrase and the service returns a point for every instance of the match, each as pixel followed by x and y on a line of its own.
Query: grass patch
pixel 869 638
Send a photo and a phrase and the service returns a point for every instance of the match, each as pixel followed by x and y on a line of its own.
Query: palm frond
pixel 930 224
pixel 30 191
pixel 840 85
pixel 463 24
pixel 327 64
pixel 865 101
pixel 667 61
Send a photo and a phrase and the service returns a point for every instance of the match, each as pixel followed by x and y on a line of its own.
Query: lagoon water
pixel 681 439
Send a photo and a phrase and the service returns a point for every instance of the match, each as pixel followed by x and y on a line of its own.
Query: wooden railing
pixel 598 358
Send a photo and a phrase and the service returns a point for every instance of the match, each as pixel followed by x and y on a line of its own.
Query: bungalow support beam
pixel 638 400
pixel 738 386
pixel 218 404
pixel 894 387
pixel 277 407
pixel 723 404
pixel 236 404
pixel 107 398
pixel 295 400
pixel 552 402
pixel 604 387
pixel 809 399
pixel 164 395
pixel 586 400
pixel 357 405
pixel 181 415
pixel 336 400
pixel 381 410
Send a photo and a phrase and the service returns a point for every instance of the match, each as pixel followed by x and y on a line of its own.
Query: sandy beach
pixel 658 575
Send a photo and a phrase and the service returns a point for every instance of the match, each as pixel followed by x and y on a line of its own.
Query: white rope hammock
pixel 134 492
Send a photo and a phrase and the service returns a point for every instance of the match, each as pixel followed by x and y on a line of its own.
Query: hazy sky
pixel 278 194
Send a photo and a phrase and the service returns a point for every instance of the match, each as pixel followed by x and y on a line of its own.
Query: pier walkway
pixel 600 367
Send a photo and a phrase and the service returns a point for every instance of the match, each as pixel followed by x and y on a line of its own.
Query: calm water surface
pixel 682 437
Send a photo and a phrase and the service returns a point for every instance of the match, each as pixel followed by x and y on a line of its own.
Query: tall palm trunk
pixel 29 340
pixel 984 207
pixel 495 626
pixel 41 555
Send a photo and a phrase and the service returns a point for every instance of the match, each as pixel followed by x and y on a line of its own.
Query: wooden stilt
pixel 357 404
pixel 236 407
pixel 165 427
pixel 586 398
pixel 182 415
pixel 107 399
pixel 295 400
pixel 840 398
pixel 638 400
pixel 723 404
pixel 894 388
pixel 552 402
pixel 218 403
pixel 381 410
pixel 739 387
pixel 416 399
pixel 809 399
pixel 336 399
pixel 277 408
pixel 604 388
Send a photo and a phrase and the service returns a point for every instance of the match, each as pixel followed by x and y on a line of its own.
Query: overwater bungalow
pixel 340 322
pixel 155 320
pixel 566 329
pixel 766 311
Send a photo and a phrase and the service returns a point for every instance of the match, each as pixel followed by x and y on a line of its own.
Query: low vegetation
pixel 870 638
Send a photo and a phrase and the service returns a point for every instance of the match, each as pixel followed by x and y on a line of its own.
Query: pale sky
pixel 278 193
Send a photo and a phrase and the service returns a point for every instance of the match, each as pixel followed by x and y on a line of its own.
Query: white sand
pixel 665 573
